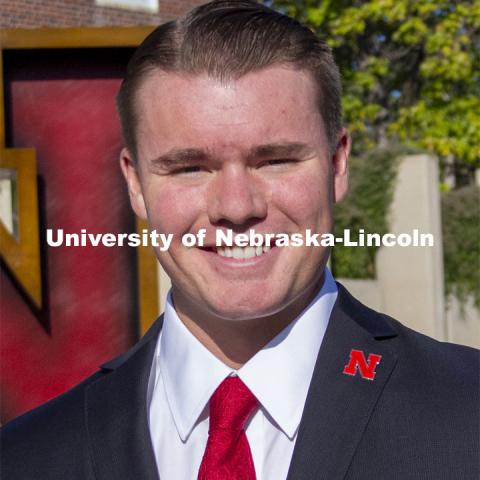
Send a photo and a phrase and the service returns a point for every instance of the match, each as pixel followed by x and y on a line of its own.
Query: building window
pixel 146 5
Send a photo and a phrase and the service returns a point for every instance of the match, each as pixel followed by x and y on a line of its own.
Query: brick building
pixel 76 13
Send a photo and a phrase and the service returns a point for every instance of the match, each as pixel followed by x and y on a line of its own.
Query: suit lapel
pixel 339 406
pixel 117 417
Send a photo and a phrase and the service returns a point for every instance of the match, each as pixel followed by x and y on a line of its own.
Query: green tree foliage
pixel 411 72
pixel 461 243
pixel 372 178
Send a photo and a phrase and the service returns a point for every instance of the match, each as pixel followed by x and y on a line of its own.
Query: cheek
pixel 305 199
pixel 173 209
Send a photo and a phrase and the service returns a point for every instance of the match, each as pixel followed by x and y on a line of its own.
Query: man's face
pixel 247 154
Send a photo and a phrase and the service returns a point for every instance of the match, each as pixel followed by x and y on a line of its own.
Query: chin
pixel 247 309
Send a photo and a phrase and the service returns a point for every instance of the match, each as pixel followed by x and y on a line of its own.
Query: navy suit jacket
pixel 417 419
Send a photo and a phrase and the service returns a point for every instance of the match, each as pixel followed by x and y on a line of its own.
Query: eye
pixel 187 170
pixel 274 162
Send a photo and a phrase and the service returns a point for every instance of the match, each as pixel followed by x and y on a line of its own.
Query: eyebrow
pixel 180 156
pixel 186 156
pixel 283 150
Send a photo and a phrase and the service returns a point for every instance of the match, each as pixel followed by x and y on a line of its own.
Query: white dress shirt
pixel 185 374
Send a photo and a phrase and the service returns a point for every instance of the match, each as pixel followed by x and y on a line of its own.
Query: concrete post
pixel 411 278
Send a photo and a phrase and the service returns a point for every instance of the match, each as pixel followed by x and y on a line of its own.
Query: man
pixel 261 366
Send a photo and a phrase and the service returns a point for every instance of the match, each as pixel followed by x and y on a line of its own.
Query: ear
pixel 340 166
pixel 130 172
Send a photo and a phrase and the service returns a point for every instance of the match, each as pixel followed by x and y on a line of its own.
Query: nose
pixel 236 197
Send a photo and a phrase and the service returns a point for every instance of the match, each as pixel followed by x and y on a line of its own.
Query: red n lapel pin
pixel 358 363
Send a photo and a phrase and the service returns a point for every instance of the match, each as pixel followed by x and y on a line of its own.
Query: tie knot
pixel 231 405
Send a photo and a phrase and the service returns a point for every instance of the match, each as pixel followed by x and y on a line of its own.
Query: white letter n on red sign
pixel 359 363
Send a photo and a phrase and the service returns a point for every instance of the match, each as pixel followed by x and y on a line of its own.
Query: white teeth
pixel 224 252
pixel 242 253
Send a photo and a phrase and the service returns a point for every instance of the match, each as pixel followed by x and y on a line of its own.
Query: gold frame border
pixel 23 255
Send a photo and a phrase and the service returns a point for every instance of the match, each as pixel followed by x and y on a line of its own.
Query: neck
pixel 234 342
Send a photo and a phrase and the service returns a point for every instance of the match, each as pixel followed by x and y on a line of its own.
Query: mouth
pixel 240 253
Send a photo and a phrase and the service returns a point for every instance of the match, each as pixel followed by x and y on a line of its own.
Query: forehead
pixel 271 105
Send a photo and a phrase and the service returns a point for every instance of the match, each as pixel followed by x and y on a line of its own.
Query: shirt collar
pixel 279 375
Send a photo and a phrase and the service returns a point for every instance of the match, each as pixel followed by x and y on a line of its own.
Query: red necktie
pixel 227 455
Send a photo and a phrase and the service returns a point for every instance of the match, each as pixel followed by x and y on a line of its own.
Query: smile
pixel 239 253
pixel 244 253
